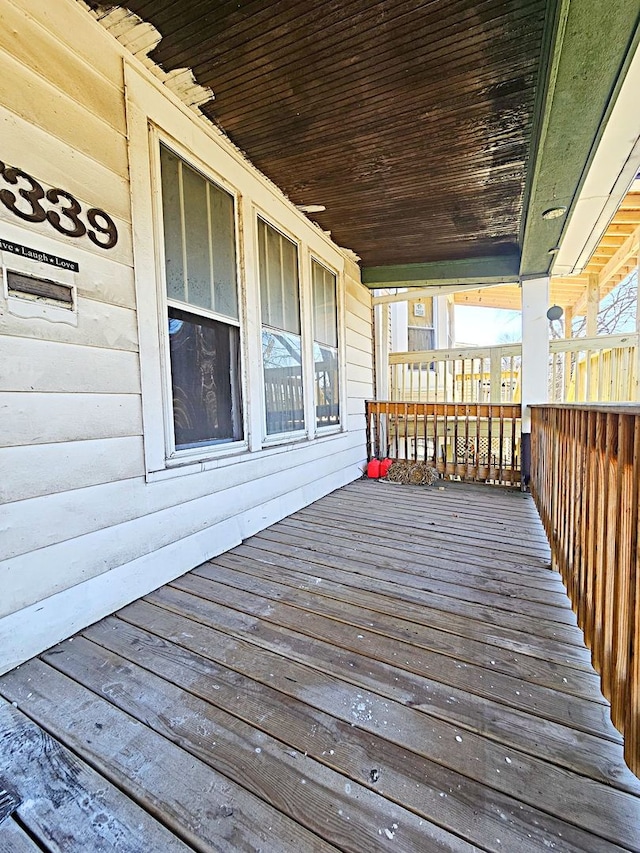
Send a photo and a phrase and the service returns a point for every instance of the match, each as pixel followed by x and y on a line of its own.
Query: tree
pixel 618 309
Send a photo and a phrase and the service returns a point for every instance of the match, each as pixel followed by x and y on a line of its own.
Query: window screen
pixel 199 238
pixel 325 346
pixel 200 263
pixel 420 338
pixel 281 342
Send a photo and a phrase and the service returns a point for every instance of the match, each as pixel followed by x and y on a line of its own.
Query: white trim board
pixel 612 172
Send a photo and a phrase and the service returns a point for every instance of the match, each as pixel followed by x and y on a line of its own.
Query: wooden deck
pixel 394 668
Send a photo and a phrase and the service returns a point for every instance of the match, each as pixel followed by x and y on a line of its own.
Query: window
pixel 202 299
pixel 420 325
pixel 281 343
pixel 325 346
pixel 420 338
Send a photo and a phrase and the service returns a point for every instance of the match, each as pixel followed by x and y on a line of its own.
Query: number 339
pixel 64 216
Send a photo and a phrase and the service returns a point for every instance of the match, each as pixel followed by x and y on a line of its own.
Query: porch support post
pixel 399 326
pixel 382 332
pixel 593 303
pixel 568 321
pixel 444 321
pixel 568 333
pixel 535 358
pixel 636 383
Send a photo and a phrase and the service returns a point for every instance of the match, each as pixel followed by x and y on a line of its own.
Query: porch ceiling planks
pixel 411 121
pixel 435 132
pixel 366 675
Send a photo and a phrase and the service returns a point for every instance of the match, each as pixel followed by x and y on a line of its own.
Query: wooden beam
pixel 628 250
pixel 619 264
pixel 619 229
pixel 631 202
pixel 626 217
pixel 593 303
pixel 498 269
pixel 612 241
pixel 430 291
pixel 507 297
pixel 568 321
pixel 570 280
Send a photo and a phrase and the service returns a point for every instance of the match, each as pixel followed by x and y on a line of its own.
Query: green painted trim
pixel 498 269
pixel 593 45
pixel 554 29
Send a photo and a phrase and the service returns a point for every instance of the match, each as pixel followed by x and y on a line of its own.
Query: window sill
pixel 285 438
pixel 198 455
pixel 329 430
pixel 182 468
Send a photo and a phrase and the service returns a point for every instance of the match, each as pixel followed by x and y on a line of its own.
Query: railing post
pixel 382 334
pixel 636 366
pixel 535 358
pixel 495 380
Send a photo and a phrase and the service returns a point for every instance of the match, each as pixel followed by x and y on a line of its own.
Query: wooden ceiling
pixel 410 120
pixel 435 132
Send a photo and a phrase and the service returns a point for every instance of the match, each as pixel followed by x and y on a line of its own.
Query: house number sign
pixel 57 207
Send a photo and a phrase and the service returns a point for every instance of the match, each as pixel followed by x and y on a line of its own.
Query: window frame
pixel 154 114
pixel 340 324
pixel 431 329
pixel 173 455
pixel 304 434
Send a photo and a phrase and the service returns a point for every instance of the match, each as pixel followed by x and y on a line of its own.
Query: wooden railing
pixel 585 480
pixel 479 442
pixel 594 370
pixel 467 375
pixel 600 369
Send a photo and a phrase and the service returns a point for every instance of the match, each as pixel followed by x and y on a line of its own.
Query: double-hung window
pixel 281 342
pixel 325 346
pixel 202 299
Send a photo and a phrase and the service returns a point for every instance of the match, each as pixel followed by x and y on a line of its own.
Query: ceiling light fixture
pixel 554 212
pixel 554 250
pixel 311 208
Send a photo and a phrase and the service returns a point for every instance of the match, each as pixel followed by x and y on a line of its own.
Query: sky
pixel 489 326
pixel 486 326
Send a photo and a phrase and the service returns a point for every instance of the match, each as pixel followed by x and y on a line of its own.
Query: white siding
pixel 43 365
pixel 51 418
pixel 45 469
pixel 86 524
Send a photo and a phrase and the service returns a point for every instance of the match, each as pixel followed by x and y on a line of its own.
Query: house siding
pixel 86 523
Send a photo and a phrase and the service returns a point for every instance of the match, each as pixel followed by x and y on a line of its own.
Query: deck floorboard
pixel 14 839
pixel 390 669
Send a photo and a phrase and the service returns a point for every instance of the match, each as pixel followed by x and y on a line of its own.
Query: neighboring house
pixel 185 356
pixel 422 324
